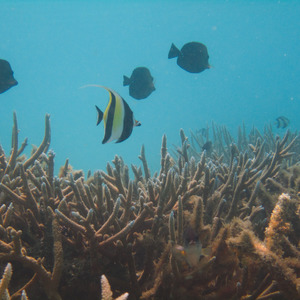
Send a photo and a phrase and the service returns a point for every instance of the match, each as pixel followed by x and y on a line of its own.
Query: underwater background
pixel 202 201
pixel 56 47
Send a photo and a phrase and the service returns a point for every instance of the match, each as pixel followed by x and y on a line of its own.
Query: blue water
pixel 55 47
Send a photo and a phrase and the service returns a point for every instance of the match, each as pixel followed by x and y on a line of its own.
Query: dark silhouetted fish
pixel 282 122
pixel 207 146
pixel 192 57
pixel 7 79
pixel 118 118
pixel 140 83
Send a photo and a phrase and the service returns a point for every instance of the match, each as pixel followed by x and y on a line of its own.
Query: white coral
pixel 4 294
pixel 106 293
pixel 284 196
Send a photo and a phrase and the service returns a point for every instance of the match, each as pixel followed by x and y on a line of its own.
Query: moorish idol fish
pixel 140 83
pixel 193 57
pixel 7 79
pixel 118 118
pixel 282 122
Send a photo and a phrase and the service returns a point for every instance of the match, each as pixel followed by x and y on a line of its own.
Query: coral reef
pixel 106 290
pixel 222 223
pixel 4 293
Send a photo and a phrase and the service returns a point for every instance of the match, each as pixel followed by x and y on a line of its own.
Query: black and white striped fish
pixel 282 122
pixel 118 118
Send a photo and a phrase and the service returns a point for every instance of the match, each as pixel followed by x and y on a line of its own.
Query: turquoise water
pixel 55 47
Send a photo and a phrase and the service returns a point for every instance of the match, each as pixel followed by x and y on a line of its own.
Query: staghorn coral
pixel 134 230
pixel 283 230
pixel 4 293
pixel 106 290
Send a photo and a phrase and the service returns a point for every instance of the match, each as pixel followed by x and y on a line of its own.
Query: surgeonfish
pixel 193 57
pixel 140 83
pixel 7 79
pixel 118 118
pixel 207 146
pixel 282 122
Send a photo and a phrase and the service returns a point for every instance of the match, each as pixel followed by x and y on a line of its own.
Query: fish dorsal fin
pixel 97 85
pixel 100 86
pixel 100 115
pixel 174 52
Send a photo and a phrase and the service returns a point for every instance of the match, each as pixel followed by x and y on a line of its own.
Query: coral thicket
pixel 239 200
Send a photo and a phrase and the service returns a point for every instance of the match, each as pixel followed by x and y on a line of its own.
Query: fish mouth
pixel 9 83
pixel 13 82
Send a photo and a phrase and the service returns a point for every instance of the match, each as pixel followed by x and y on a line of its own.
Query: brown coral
pixel 130 229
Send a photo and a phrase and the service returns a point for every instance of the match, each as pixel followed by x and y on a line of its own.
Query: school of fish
pixel 118 117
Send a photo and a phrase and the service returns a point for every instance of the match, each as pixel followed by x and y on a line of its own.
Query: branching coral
pixel 4 293
pixel 208 225
pixel 106 290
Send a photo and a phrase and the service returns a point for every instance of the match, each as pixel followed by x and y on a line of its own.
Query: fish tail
pixel 174 52
pixel 100 115
pixel 126 80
